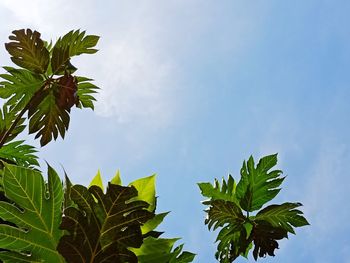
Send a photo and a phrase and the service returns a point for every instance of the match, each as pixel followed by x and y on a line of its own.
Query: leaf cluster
pixel 230 204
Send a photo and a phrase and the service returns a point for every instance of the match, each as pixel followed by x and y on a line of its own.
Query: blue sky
pixel 189 89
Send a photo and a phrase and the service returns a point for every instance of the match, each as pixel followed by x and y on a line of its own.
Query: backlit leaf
pixel 103 230
pixel 36 212
pixel 258 185
pixel 72 44
pixel 86 90
pixel 28 50
pixel 19 153
pixel 284 216
pixel 19 86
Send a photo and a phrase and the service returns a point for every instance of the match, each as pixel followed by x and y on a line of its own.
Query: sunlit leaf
pixel 36 212
pixel 19 153
pixel 146 188
pixel 258 185
pixel 224 191
pixel 97 180
pixel 19 86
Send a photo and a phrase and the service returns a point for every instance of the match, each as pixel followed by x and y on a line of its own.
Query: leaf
pixel 223 212
pixel 46 118
pixel 103 230
pixel 7 117
pixel 19 153
pixel 232 238
pixel 19 86
pixel 28 50
pixel 265 238
pixel 146 188
pixel 72 44
pixel 36 212
pixel 257 185
pixel 97 180
pixel 116 179
pixel 65 92
pixel 86 90
pixel 152 224
pixel 161 250
pixel 225 191
pixel 284 216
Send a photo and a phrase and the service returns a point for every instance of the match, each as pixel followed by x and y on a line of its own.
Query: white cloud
pixel 135 73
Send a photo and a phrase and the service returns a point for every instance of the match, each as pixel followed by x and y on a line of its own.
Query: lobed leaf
pixel 105 229
pixel 72 44
pixel 283 216
pixel 258 185
pixel 7 117
pixel 85 92
pixel 28 51
pixel 19 153
pixel 19 86
pixel 225 191
pixel 35 215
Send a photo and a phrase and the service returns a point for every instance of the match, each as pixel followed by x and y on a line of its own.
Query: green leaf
pixel 284 216
pixel 7 117
pixel 36 212
pixel 232 237
pixel 19 86
pixel 146 188
pixel 223 212
pixel 153 223
pixel 86 90
pixel 47 118
pixel 160 250
pixel 28 50
pixel 103 230
pixel 97 180
pixel 116 179
pixel 225 191
pixel 19 153
pixel 258 185
pixel 72 44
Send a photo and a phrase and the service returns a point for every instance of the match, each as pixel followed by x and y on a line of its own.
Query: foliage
pixel 50 221
pixel 239 232
pixel 61 222
pixel 36 212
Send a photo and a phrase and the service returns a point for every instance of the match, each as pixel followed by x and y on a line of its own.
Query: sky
pixel 190 89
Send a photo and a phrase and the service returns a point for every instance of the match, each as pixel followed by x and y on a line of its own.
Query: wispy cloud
pixel 135 72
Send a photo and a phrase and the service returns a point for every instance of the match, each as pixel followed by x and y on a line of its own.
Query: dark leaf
pixel 28 50
pixel 104 226
pixel 66 92
pixel 46 118
pixel 265 238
